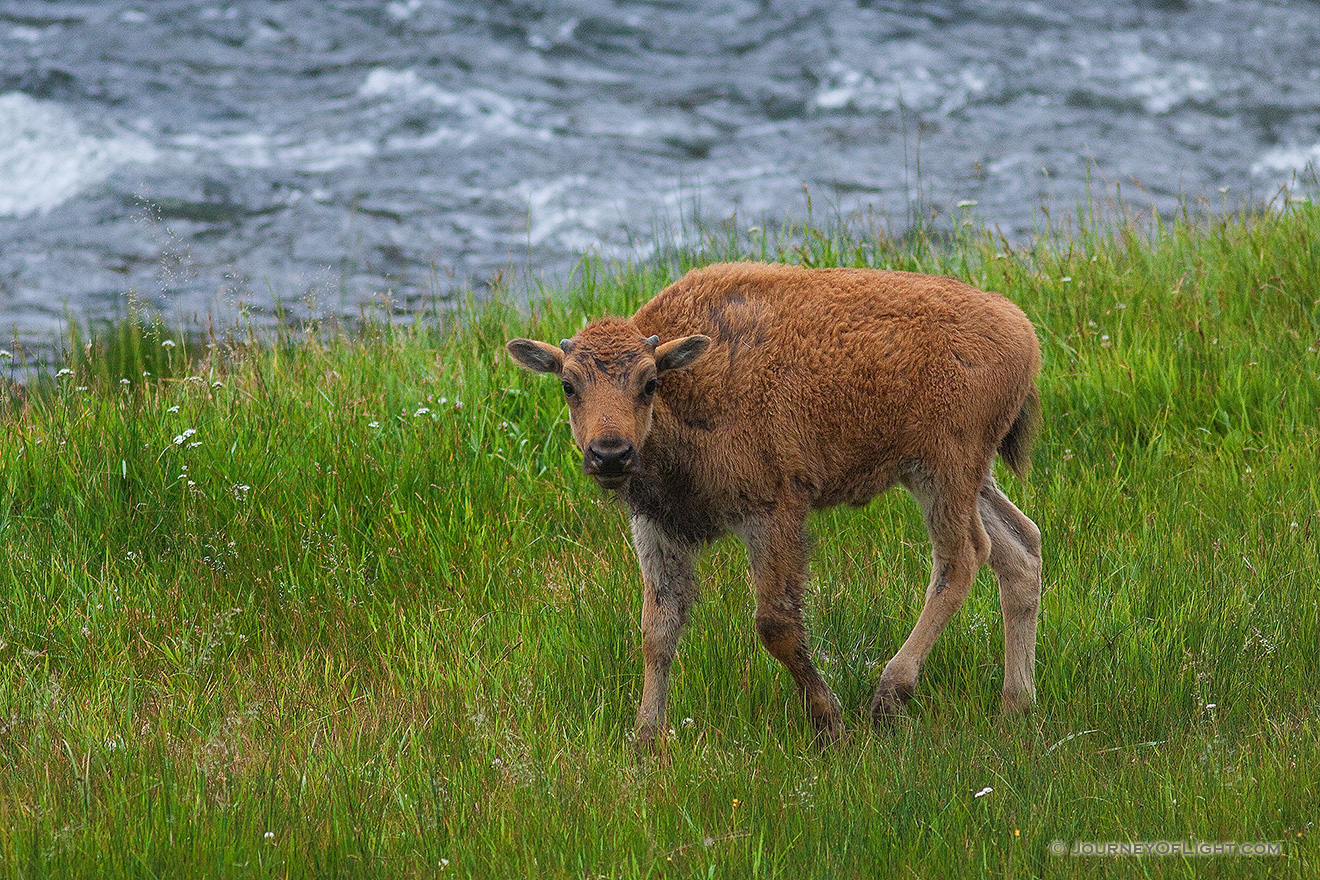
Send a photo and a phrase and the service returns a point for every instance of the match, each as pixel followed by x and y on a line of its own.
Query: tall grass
pixel 343 604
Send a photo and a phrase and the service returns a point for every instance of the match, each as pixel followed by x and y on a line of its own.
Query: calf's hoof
pixel 829 731
pixel 890 702
pixel 1017 705
pixel 827 718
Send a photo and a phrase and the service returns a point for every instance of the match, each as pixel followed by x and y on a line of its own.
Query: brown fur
pixel 781 389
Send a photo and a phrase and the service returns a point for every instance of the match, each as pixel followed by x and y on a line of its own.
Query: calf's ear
pixel 539 357
pixel 678 353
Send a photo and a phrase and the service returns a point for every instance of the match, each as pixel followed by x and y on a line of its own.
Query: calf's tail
pixel 1015 448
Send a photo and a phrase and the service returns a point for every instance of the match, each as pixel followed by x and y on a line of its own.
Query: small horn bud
pixel 566 345
pixel 652 342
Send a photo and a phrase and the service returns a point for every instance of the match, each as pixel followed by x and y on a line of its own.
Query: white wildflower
pixel 168 343
pixel 422 411
pixel 64 372
pixel 180 439
pixel 373 424
pixel 983 792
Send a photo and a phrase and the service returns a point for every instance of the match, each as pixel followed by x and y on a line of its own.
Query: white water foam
pixel 46 158
pixel 1287 162
pixel 481 110
pixel 1161 86
pixel 912 81
pixel 259 150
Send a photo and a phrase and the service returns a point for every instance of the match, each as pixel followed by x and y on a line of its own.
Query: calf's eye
pixel 650 388
pixel 568 388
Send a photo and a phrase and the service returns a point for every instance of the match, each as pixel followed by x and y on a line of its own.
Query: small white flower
pixel 64 372
pixel 217 384
pixel 1066 278
pixel 124 382
pixel 168 343
pixel 180 439
pixel 173 409
pixel 444 863
pixel 373 424
pixel 269 835
pixel 983 792
pixel 458 404
pixel 6 354
pixel 421 411
pixel 688 722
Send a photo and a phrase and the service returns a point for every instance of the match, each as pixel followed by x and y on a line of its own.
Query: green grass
pixel 344 605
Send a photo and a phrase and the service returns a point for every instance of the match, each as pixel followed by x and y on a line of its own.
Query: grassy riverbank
pixel 343 605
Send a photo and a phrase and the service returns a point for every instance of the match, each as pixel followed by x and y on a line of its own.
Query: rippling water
pixel 203 155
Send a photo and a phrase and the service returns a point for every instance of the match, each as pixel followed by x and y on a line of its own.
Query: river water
pixel 208 158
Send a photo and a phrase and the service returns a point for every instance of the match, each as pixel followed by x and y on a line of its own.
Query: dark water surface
pixel 207 155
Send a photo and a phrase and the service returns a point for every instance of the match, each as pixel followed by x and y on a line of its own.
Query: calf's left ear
pixel 539 357
pixel 678 353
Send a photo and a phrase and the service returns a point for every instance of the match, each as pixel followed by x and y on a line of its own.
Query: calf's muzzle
pixel 610 458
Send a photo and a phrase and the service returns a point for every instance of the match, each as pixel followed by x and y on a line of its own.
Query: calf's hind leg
pixel 669 587
pixel 1015 558
pixel 959 545
pixel 778 553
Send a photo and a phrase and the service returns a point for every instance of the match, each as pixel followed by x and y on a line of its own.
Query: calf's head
pixel 610 374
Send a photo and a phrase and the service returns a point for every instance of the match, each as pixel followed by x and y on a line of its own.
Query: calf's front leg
pixel 778 552
pixel 669 587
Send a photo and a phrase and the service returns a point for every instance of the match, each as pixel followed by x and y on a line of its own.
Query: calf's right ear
pixel 678 353
pixel 539 357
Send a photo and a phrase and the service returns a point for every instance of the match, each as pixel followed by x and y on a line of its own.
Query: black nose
pixel 608 456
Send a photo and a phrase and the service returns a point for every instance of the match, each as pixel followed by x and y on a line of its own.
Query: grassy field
pixel 342 604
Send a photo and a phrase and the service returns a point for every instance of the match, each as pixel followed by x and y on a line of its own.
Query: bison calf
pixel 745 395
